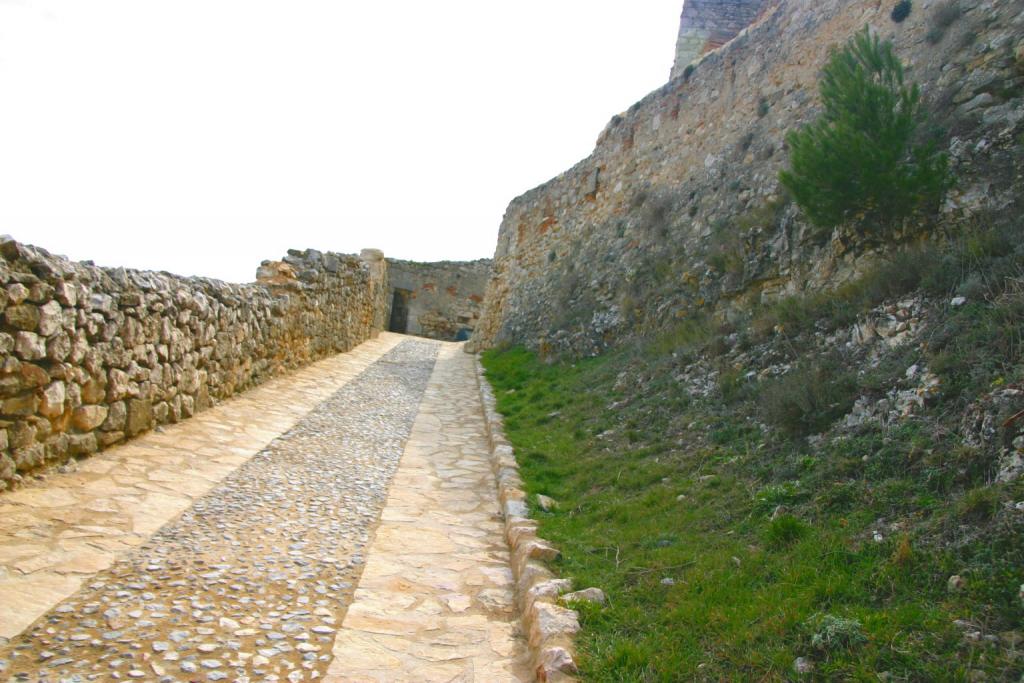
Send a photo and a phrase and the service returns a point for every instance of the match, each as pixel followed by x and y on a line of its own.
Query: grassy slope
pixel 656 483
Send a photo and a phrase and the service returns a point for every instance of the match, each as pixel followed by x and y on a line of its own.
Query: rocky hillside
pixel 829 488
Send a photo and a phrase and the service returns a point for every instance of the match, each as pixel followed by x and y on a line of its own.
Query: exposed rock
pixel 802 666
pixel 592 595
pixel 546 504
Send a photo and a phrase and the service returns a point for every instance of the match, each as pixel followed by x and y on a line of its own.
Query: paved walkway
pixel 435 600
pixel 230 546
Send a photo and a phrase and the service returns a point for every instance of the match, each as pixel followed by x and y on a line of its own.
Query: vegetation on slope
pixel 861 159
pixel 713 483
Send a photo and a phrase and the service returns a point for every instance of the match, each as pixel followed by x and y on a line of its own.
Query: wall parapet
pixel 92 356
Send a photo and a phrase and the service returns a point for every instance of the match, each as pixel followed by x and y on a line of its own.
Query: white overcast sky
pixel 203 136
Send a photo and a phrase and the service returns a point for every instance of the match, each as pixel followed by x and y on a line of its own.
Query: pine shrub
pixel 863 159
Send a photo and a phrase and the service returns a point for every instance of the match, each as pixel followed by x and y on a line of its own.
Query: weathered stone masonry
pixel 92 356
pixel 440 300
pixel 678 209
pixel 709 24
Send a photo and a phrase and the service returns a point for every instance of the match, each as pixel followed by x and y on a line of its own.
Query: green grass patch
pixel 654 484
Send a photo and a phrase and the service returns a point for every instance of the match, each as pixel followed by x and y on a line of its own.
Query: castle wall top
pixel 708 24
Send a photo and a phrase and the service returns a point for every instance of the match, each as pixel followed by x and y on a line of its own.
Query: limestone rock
pixel 139 416
pixel 546 503
pixel 89 417
pixel 117 414
pixel 29 346
pixel 52 403
pixel 591 595
pixel 23 317
pixel 550 621
pixel 51 317
pixel 554 661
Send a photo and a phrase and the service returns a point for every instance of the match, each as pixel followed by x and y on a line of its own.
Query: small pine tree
pixel 861 159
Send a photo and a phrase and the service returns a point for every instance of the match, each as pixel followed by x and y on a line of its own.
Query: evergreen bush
pixel 901 11
pixel 863 159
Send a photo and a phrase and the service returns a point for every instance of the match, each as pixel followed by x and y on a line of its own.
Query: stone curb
pixel 549 627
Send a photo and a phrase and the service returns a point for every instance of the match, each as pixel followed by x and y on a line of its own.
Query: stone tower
pixel 709 24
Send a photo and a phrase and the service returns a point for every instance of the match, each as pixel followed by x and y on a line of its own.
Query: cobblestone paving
pixel 55 534
pixel 250 583
pixel 434 603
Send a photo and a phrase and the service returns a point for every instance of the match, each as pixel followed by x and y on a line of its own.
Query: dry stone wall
pixel 440 300
pixel 92 356
pixel 678 209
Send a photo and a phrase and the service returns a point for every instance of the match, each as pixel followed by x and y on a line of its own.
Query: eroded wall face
pixel 678 208
pixel 441 300
pixel 92 356
pixel 707 25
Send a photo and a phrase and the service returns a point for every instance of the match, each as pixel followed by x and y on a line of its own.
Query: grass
pixel 838 552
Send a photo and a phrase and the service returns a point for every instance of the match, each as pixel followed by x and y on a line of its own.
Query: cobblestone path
pixel 252 580
pixel 434 603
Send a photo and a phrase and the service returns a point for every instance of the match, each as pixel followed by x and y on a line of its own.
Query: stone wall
pixel 438 300
pixel 92 356
pixel 707 25
pixel 679 210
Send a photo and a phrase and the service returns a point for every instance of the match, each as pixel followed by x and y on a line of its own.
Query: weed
pixel 833 633
pixel 978 505
pixel 808 398
pixel 784 531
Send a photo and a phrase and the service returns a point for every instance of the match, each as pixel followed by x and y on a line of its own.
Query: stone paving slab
pixel 56 534
pixel 434 602
pixel 251 581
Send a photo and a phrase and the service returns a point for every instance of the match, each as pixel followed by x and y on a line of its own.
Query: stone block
pixel 139 417
pixel 51 318
pixel 82 444
pixel 89 417
pixel 117 415
pixel 105 439
pixel 29 457
pixel 549 622
pixel 52 402
pixel 23 317
pixel 21 406
pixel 29 346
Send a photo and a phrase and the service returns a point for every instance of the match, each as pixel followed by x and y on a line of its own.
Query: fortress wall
pixel 678 210
pixel 92 356
pixel 441 300
pixel 707 25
